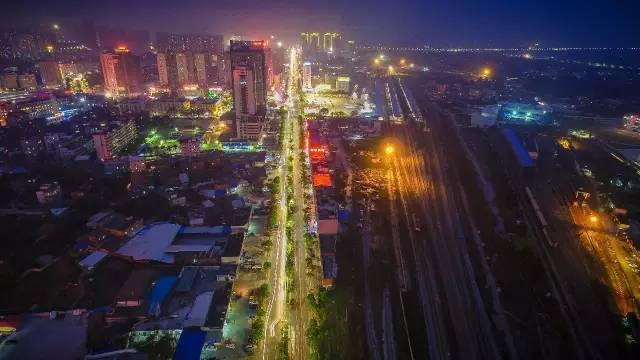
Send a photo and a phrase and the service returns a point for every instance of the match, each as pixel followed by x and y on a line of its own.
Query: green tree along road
pixel 328 334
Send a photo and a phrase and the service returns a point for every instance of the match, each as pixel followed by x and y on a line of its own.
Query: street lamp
pixel 593 219
pixel 402 61
pixel 389 149
pixel 485 73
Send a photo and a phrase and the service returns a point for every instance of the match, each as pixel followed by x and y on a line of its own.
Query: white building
pixel 342 84
pixel 306 76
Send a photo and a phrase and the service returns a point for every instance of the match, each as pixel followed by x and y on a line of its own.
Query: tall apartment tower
pixel 50 73
pixel 109 64
pixel 330 41
pixel 130 73
pixel 310 41
pixel 251 73
pixel 121 72
pixel 177 69
pixel 253 55
pixel 306 75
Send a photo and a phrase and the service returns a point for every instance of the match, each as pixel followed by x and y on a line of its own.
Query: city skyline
pixel 409 22
pixel 300 180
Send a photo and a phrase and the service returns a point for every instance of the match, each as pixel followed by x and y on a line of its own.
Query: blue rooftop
pixel 159 291
pixel 190 344
pixel 522 155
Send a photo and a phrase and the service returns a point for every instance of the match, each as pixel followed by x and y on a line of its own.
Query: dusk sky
pixel 413 22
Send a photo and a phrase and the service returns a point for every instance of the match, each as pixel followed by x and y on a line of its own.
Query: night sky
pixel 400 22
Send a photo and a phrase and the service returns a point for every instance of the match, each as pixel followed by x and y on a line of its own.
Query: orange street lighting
pixel 390 69
pixel 402 61
pixel 389 149
pixel 376 61
pixel 593 219
pixel 486 72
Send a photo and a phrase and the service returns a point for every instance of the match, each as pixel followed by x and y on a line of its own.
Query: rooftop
pixel 190 301
pixel 151 242
pixel 38 337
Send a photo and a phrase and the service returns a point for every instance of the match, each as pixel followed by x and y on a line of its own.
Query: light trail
pixel 276 306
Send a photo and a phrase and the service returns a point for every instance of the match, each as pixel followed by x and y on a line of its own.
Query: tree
pixel 267 243
pixel 161 347
pixel 257 329
pixel 262 292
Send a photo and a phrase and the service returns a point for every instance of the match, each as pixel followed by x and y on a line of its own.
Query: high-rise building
pixel 350 47
pixel 306 75
pixel 50 73
pixel 109 64
pixel 121 72
pixel 9 81
pixel 310 41
pixel 253 55
pixel 330 41
pixel 200 69
pixel 27 82
pixel 130 74
pixel 278 58
pixel 109 143
pixel 177 69
pixel 195 43
pixel 244 91
pixel 251 75
pixel 167 70
pixel 184 65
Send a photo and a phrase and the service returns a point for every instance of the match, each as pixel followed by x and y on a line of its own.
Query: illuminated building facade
pixel 190 146
pixel 50 73
pixel 251 74
pixel 244 91
pixel 179 69
pixel 121 72
pixel 306 75
pixel 249 122
pixel 342 84
pixel 310 41
pixel 39 107
pixel 254 55
pixel 350 47
pixel 518 113
pixel 163 60
pixel 195 43
pixel 184 68
pixel 27 82
pixel 200 69
pixel 129 73
pixel 109 63
pixel 108 144
pixel 330 41
pixel 9 81
pixel 632 122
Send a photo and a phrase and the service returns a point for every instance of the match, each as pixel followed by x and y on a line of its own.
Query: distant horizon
pixel 440 23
